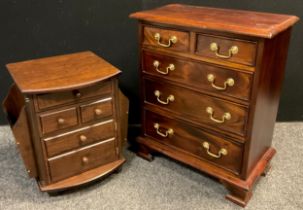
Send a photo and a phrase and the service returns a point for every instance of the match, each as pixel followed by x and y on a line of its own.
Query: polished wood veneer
pixel 189 138
pixel 255 24
pixel 194 74
pixel 182 43
pixel 246 56
pixel 68 117
pixel 210 83
pixel 193 105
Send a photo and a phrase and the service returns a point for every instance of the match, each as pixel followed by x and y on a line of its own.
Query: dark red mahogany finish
pixel 211 81
pixel 68 117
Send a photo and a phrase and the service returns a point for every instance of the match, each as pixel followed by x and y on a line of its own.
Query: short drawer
pixel 96 110
pixel 58 120
pixel 166 38
pixel 81 160
pixel 58 98
pixel 185 137
pixel 222 48
pixel 209 111
pixel 199 75
pixel 79 138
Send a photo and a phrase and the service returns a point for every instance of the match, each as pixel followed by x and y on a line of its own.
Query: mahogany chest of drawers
pixel 211 81
pixel 68 118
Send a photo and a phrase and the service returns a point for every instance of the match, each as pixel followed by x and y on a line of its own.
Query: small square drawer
pixel 58 120
pixel 75 139
pixel 57 98
pixel 227 49
pixel 73 163
pixel 165 38
pixel 96 110
pixel 178 134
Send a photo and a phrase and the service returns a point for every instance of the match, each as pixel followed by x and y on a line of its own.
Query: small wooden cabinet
pixel 68 117
pixel 211 81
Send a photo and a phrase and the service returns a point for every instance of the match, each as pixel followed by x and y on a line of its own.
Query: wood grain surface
pixel 246 50
pixel 96 110
pixel 191 104
pixel 259 24
pixel 195 74
pixel 58 73
pixel 182 43
pixel 76 162
pixel 75 139
pixel 190 139
pixel 53 99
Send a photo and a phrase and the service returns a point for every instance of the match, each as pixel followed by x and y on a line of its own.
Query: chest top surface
pixel 259 24
pixel 63 72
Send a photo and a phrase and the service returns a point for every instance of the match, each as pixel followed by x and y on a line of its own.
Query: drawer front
pixel 185 137
pixel 210 111
pixel 233 50
pixel 96 110
pixel 82 137
pixel 78 161
pixel 58 120
pixel 164 38
pixel 58 98
pixel 199 75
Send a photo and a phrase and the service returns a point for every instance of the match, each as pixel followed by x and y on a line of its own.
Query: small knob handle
pixel 85 160
pixel 98 111
pixel 61 121
pixel 77 93
pixel 83 138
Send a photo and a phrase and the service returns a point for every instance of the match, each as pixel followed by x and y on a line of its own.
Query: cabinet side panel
pixel 39 149
pixel 267 95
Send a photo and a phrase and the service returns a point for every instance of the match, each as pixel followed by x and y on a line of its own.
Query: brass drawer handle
pixel 98 112
pixel 85 160
pixel 172 40
pixel 229 82
pixel 221 152
pixel 167 133
pixel 232 51
pixel 210 111
pixel 170 67
pixel 83 138
pixel 61 121
pixel 170 98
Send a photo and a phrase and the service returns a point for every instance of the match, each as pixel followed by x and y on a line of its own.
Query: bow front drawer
pixel 222 48
pixel 185 137
pixel 58 120
pixel 57 98
pixel 202 76
pixel 72 140
pixel 209 111
pixel 77 161
pixel 164 38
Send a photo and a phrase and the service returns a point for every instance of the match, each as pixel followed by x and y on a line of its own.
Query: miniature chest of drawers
pixel 211 81
pixel 68 118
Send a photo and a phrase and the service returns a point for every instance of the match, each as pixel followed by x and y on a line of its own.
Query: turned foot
pixel 237 195
pixel 145 153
